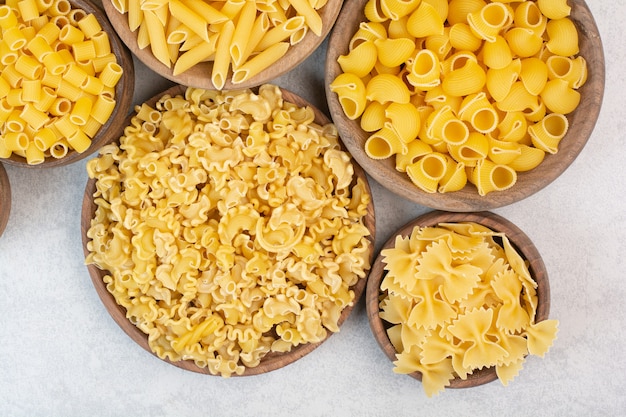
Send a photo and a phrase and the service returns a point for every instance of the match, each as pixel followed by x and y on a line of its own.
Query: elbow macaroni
pixel 492 82
pixel 232 228
pixel 57 80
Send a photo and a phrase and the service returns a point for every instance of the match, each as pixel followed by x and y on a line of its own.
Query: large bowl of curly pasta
pixel 465 105
pixel 228 233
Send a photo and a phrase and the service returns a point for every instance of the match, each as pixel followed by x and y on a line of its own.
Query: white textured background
pixel 62 355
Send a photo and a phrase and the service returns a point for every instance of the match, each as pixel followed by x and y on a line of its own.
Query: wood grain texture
pixel 199 76
pixel 516 236
pixel 271 361
pixel 582 122
pixel 123 95
pixel 5 199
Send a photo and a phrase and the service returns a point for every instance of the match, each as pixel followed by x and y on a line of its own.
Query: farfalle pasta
pixel 458 297
pixel 230 225
pixel 497 68
pixel 57 79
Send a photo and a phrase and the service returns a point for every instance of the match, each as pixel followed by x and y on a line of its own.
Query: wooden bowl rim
pixel 123 95
pixel 518 239
pixel 199 76
pixel 582 123
pixel 5 199
pixel 271 361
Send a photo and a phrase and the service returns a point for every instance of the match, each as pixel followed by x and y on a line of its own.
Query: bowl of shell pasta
pixel 222 44
pixel 465 105
pixel 459 300
pixel 228 232
pixel 66 82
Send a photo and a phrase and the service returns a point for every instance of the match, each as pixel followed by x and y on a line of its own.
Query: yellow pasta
pixel 263 273
pixel 427 171
pixel 50 86
pixel 260 62
pixel 547 133
pixel 484 76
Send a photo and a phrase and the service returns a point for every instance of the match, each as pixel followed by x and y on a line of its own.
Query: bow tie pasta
pixel 490 84
pixel 458 298
pixel 230 225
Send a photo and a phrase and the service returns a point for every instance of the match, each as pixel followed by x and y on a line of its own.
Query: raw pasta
pixel 486 77
pixel 230 225
pixel 457 298
pixel 57 87
pixel 242 37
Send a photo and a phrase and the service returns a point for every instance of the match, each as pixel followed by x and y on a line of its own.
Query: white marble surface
pixel 62 355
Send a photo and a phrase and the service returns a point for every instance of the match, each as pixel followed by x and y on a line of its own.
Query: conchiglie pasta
pixel 468 79
pixel 424 70
pixel 488 177
pixel 396 9
pixel 547 133
pixel 462 38
pixel 499 81
pixel 559 97
pixel 361 60
pixel 455 177
pixel 373 117
pixel 523 42
pixel 474 149
pixel 487 22
pixel 528 15
pixel 351 92
pixel 428 171
pixel 404 120
pixel 414 150
pixel 394 52
pixel 562 37
pixel 497 54
pixel 478 111
pixel 554 9
pixel 383 144
pixel 529 158
pixel 534 75
pixel 574 71
pixel 387 88
pixel 425 21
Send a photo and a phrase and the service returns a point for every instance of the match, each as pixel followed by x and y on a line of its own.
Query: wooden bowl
pixel 123 95
pixel 5 199
pixel 200 75
pixel 518 239
pixel 581 121
pixel 272 360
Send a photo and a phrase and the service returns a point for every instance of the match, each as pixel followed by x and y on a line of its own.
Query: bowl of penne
pixel 465 106
pixel 459 300
pixel 67 82
pixel 5 199
pixel 222 44
pixel 259 251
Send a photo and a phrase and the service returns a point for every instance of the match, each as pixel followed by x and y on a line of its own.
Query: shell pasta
pixel 230 225
pixel 491 83
pixel 54 87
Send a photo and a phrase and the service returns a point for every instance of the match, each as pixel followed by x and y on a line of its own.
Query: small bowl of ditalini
pixel 222 44
pixel 465 105
pixel 5 199
pixel 66 82
pixel 228 232
pixel 459 300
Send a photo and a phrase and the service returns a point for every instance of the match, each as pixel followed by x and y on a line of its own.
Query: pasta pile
pixel 231 225
pixel 245 35
pixel 462 91
pixel 57 79
pixel 458 301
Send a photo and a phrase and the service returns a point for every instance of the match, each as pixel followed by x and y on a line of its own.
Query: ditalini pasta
pixel 458 297
pixel 57 84
pixel 241 37
pixel 230 225
pixel 492 83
